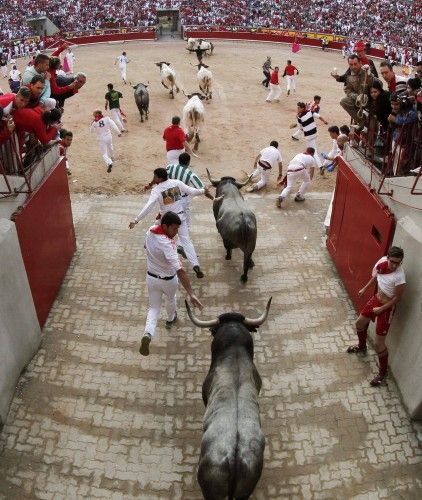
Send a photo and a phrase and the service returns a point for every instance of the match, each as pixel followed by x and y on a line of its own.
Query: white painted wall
pixel 20 334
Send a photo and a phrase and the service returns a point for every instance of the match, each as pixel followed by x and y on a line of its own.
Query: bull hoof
pixel 228 257
pixel 142 121
pixel 243 278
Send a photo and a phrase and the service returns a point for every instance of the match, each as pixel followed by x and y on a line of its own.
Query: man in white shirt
pixel 168 193
pixel 389 276
pixel 102 126
pixel 164 270
pixel 15 79
pixel 267 159
pixel 122 62
pixel 302 166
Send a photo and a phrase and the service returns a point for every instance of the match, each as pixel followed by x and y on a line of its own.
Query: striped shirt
pixel 307 123
pixel 184 174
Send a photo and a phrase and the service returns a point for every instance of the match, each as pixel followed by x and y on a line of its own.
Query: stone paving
pixel 92 419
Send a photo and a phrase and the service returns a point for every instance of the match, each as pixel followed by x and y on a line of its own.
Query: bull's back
pixel 237 225
pixel 233 444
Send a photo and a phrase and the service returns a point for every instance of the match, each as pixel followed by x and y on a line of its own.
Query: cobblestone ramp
pixel 92 419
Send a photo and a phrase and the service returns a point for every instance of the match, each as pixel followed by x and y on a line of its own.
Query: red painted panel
pixel 47 238
pixel 268 37
pixel 361 231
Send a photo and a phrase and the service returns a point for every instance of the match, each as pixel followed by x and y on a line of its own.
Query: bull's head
pixel 160 64
pixel 239 185
pixel 189 96
pixel 137 85
pixel 248 322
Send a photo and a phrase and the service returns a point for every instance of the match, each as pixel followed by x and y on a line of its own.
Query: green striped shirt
pixel 184 174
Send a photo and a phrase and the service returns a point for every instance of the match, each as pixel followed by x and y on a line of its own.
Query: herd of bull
pixel 232 448
pixel 193 112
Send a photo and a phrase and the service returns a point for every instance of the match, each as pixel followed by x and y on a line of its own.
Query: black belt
pixel 165 278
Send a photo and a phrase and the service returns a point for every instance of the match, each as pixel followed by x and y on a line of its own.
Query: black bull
pixel 235 222
pixel 232 448
pixel 142 99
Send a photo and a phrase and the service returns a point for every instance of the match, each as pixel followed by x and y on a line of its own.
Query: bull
pixel 193 117
pixel 232 447
pixel 142 99
pixel 204 77
pixel 168 77
pixel 235 222
pixel 195 43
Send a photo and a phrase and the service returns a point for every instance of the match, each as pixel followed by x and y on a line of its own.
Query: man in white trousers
pixel 301 167
pixel 102 126
pixel 275 89
pixel 289 73
pixel 122 62
pixel 306 122
pixel 168 193
pixel 267 159
pixel 112 101
pixel 164 270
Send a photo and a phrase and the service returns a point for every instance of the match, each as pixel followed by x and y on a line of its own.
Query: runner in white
pixel 102 126
pixel 122 62
pixel 267 159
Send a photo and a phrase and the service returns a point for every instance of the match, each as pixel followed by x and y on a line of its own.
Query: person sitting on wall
pixel 43 124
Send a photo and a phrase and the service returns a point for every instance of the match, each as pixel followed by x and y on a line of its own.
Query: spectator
pixel 15 79
pixel 395 83
pixel 40 68
pixel 43 124
pixel 60 93
pixel 360 52
pixel 379 104
pixel 66 138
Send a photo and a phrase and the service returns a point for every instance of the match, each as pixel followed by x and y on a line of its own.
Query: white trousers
pixel 311 143
pixel 186 242
pixel 186 209
pixel 116 117
pixel 122 68
pixel 4 70
pixel 275 92
pixel 106 150
pixel 173 156
pixel 292 177
pixel 265 176
pixel 156 289
pixel 291 82
pixel 298 133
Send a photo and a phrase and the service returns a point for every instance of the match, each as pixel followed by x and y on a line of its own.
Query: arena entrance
pixel 168 23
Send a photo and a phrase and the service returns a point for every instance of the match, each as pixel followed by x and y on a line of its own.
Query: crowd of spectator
pixel 396 23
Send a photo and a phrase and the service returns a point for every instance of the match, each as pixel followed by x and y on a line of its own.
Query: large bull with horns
pixel 235 222
pixel 232 448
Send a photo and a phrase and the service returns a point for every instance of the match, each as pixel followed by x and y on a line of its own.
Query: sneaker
pixel 330 167
pixel 198 272
pixel 146 340
pixel 251 189
pixel 378 380
pixel 321 170
pixel 295 138
pixel 170 323
pixel 181 251
pixel 278 202
pixel 299 197
pixel 288 92
pixel 109 168
pixel 355 349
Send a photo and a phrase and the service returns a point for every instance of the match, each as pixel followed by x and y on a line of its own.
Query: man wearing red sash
pixel 389 276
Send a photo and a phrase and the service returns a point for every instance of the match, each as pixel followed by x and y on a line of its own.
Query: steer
pixel 142 99
pixel 204 77
pixel 193 117
pixel 235 221
pixel 232 448
pixel 195 43
pixel 168 77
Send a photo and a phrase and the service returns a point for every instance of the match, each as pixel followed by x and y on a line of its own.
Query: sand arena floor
pixel 238 121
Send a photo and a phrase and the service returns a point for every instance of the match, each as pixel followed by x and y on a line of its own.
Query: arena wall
pixel 47 238
pixel 270 37
pixel 106 37
pixel 20 333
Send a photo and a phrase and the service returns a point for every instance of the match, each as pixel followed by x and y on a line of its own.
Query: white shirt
pixel 271 155
pixel 388 282
pixel 102 128
pixel 168 195
pixel 15 74
pixel 162 258
pixel 122 60
pixel 301 160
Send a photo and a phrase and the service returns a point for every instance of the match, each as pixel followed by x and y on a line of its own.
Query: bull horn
pixel 241 184
pixel 258 321
pixel 213 181
pixel 199 322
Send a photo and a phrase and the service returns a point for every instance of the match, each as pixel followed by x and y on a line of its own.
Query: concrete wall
pixel 404 340
pixel 20 333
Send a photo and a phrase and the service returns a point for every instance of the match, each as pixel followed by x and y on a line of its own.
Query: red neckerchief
pixel 98 118
pixel 382 268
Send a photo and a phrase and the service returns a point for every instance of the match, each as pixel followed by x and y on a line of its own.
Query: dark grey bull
pixel 142 99
pixel 235 221
pixel 232 448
